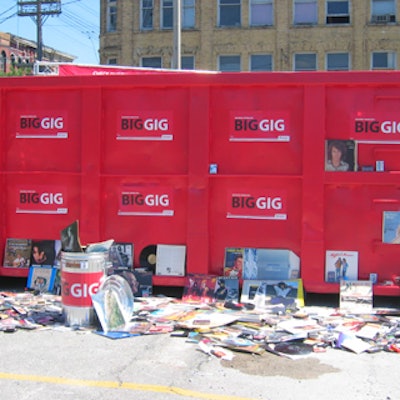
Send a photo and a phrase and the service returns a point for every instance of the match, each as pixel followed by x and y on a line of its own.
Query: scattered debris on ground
pixel 224 329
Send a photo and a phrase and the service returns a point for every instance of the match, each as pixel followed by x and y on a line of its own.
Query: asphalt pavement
pixel 65 364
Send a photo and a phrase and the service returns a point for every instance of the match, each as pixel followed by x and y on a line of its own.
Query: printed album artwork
pixel 340 155
pixel 270 264
pixel 41 278
pixel 264 293
pixel 356 296
pixel 233 264
pixel 17 253
pixel 45 252
pixel 70 239
pixel 170 260
pixel 122 255
pixel 341 265
pixel 203 288
pixel 391 227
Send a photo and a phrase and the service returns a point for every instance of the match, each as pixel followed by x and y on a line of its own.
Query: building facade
pixel 17 52
pixel 253 35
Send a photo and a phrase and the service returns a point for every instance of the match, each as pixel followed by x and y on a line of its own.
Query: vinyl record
pixel 147 258
pixel 293 348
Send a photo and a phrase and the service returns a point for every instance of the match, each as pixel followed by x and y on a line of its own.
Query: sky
pixel 75 31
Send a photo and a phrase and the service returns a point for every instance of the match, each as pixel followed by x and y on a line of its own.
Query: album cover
pixel 44 252
pixel 233 262
pixel 144 277
pixel 340 155
pixel 170 260
pixel 270 264
pixel 70 238
pixel 391 227
pixel 199 288
pixel 226 289
pixel 41 278
pixel 122 255
pixel 17 253
pixel 265 293
pixel 356 296
pixel 341 265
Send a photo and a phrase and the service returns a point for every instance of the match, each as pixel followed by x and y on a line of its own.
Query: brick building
pixel 18 52
pixel 253 35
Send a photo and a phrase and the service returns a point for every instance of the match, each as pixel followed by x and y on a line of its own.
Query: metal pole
pixel 176 58
pixel 39 30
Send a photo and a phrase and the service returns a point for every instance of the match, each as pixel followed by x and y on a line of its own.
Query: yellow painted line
pixel 118 385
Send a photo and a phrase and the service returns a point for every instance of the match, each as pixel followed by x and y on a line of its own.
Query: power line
pixel 39 9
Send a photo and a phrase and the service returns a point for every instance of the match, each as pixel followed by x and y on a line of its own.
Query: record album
pixel 296 349
pixel 147 258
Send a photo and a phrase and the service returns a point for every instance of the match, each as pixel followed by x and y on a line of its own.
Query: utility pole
pixel 37 9
pixel 176 58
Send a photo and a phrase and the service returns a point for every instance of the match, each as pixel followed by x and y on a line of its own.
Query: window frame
pixel 385 16
pixel 221 56
pixel 151 26
pixel 304 54
pixel 111 23
pixel 270 61
pixel 188 13
pixel 236 24
pixel 163 10
pixel 151 57
pixel 337 18
pixel 188 57
pixel 311 22
pixel 269 4
pixel 337 53
pixel 390 59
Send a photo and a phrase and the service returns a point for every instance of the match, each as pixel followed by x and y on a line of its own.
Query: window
pixel 187 62
pixel 261 12
pixel 151 62
pixel 383 60
pixel 383 11
pixel 112 16
pixel 146 14
pixel 112 61
pixel 261 62
pixel 229 63
pixel 189 14
pixel 337 62
pixel 167 14
pixel 3 62
pixel 305 62
pixel 229 13
pixel 337 12
pixel 305 12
